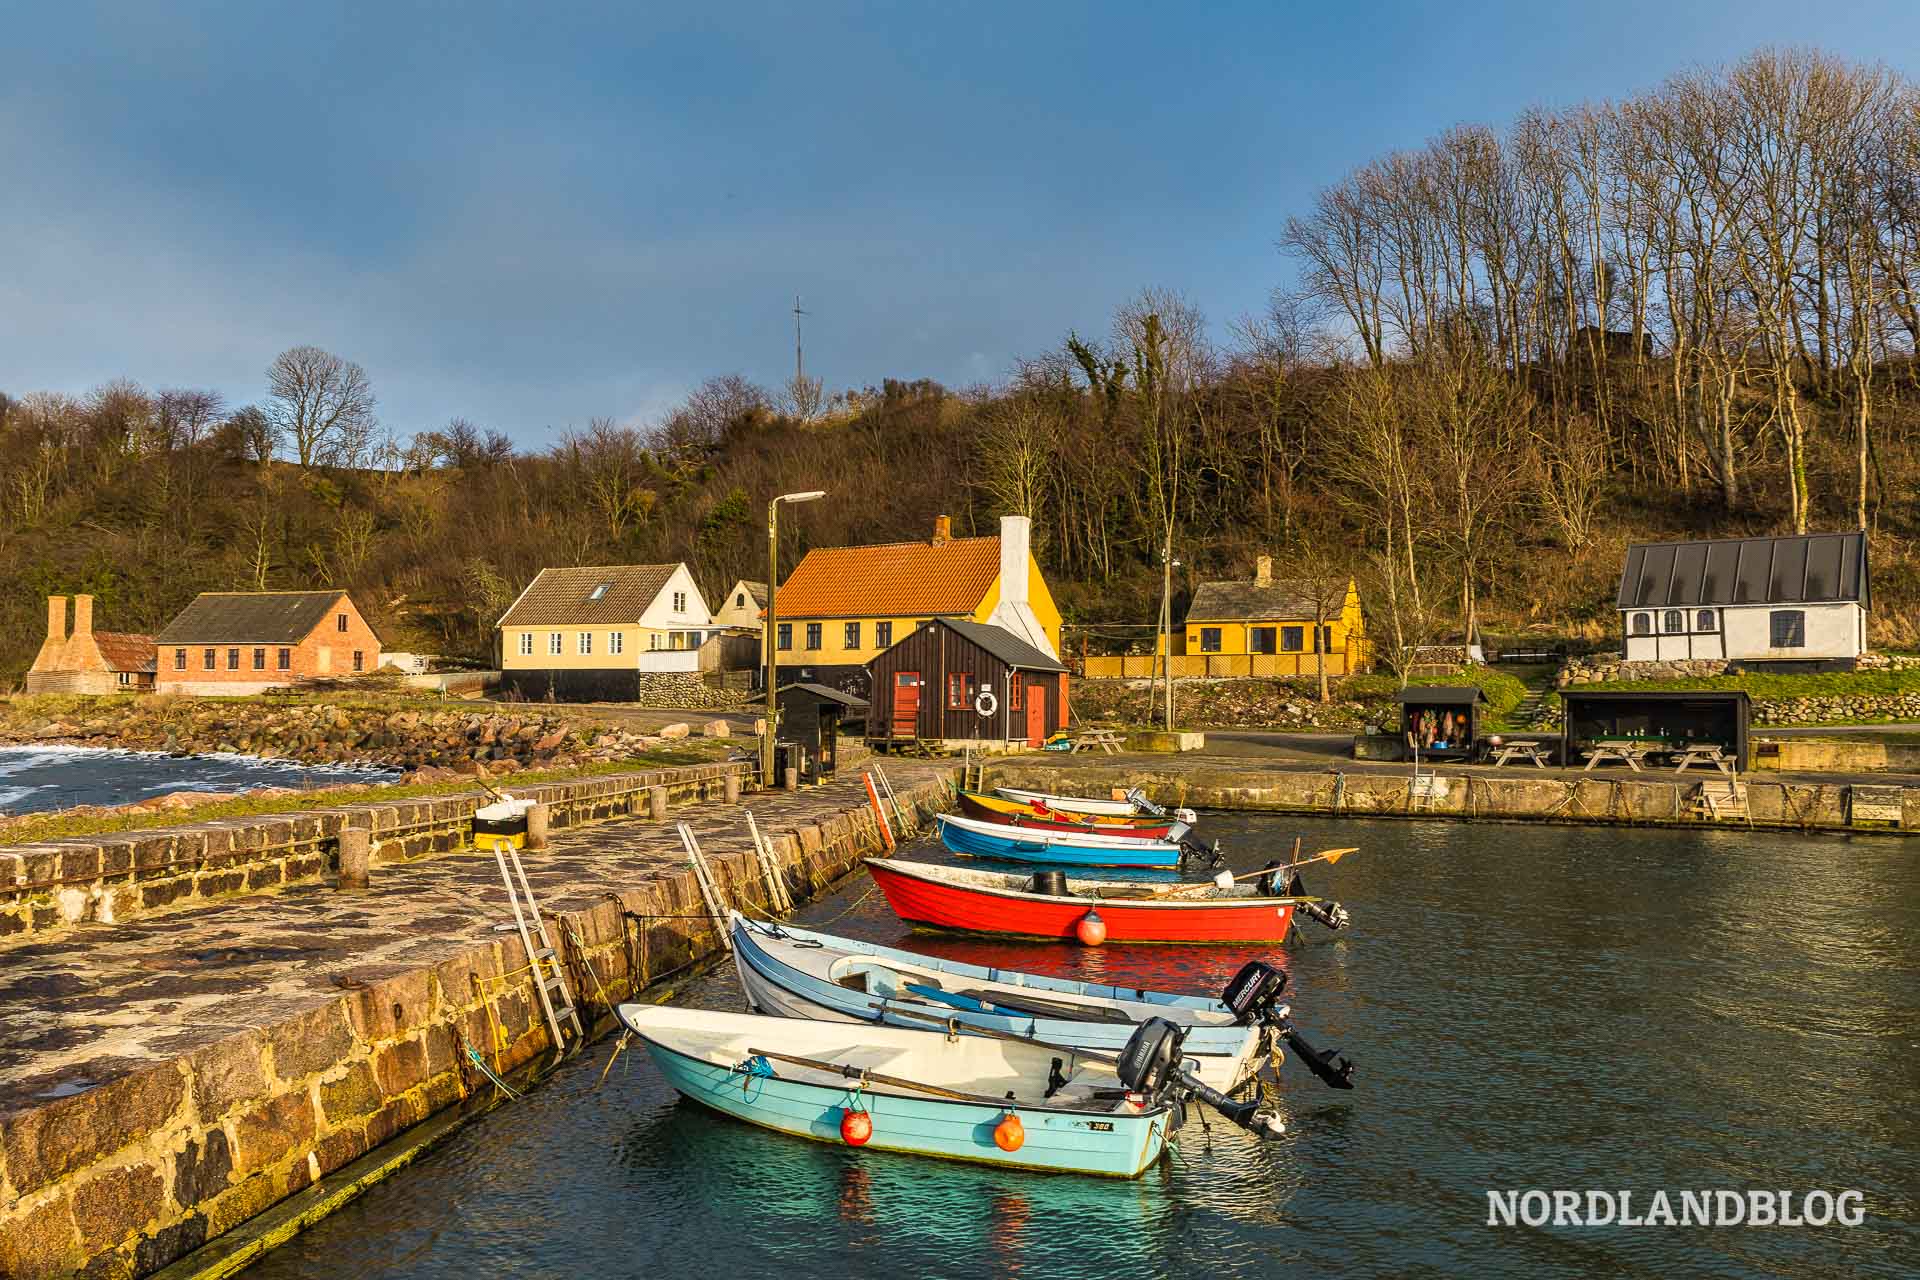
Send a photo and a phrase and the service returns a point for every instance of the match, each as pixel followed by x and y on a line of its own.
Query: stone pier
pixel 166 1078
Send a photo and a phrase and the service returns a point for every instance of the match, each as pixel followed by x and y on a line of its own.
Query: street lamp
pixel 768 632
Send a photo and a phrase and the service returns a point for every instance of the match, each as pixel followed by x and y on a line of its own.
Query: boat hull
pixel 1223 1056
pixel 1071 804
pixel 1014 813
pixel 1107 1145
pixel 966 909
pixel 1053 848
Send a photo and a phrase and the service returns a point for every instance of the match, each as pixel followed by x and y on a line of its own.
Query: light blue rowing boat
pixel 797 973
pixel 924 1092
pixel 1061 848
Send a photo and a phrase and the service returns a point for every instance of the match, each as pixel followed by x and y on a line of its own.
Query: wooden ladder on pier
pixel 1720 798
pixel 549 982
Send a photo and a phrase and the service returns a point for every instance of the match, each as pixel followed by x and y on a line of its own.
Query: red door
pixel 1036 714
pixel 906 704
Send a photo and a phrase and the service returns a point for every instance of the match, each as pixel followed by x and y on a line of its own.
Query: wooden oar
pixel 862 1074
pixel 992 1033
pixel 1328 856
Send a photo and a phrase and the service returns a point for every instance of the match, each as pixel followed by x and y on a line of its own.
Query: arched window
pixel 1675 621
pixel 1706 620
pixel 1642 624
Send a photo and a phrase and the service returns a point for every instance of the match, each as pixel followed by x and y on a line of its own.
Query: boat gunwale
pixel 918 871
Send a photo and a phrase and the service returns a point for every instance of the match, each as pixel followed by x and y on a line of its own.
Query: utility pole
pixel 1166 623
pixel 799 365
pixel 770 629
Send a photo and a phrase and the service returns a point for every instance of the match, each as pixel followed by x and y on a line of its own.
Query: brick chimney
pixel 56 619
pixel 942 530
pixel 82 616
pixel 1263 571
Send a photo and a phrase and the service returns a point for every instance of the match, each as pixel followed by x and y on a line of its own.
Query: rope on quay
pixel 488 1071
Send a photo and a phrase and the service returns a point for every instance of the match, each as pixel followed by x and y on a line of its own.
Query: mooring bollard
pixel 356 857
pixel 537 826
pixel 731 789
pixel 658 804
pixel 791 780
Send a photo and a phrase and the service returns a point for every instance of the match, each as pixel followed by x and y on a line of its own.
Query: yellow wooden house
pixel 843 606
pixel 1266 627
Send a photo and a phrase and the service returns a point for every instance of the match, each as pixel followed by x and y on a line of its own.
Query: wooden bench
pixel 1706 753
pixel 1632 753
pixel 1109 741
pixel 1537 752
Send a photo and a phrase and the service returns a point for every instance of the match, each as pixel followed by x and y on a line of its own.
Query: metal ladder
pixel 548 978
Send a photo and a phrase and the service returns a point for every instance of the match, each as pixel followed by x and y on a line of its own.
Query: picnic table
pixel 1706 753
pixel 1630 751
pixel 1108 740
pixel 1537 752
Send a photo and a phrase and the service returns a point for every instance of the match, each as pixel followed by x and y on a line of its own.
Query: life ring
pixel 985 703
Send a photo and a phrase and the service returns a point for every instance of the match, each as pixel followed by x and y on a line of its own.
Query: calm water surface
pixel 1529 1008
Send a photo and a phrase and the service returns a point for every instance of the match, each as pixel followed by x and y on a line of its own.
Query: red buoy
pixel 856 1127
pixel 1009 1134
pixel 1091 930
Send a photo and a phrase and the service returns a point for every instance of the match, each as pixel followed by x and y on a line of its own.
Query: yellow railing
pixel 1219 666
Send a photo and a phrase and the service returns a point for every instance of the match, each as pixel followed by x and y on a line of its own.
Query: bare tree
pixel 322 405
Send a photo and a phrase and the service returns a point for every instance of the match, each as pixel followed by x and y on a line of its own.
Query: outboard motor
pixel 1150 1064
pixel 1332 915
pixel 1254 991
pixel 1335 1073
pixel 1268 885
pixel 1138 799
pixel 1053 883
pixel 1194 851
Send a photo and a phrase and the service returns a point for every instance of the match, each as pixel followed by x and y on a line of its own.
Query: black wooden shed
pixel 1662 721
pixel 966 682
pixel 1440 721
pixel 810 716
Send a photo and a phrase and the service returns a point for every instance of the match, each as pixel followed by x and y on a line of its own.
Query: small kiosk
pixel 1439 721
pixel 1627 724
pixel 810 716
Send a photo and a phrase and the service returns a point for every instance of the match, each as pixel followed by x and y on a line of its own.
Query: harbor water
pixel 42 778
pixel 1530 1007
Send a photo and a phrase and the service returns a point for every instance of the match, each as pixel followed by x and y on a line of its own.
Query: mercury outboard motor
pixel 1150 1064
pixel 1254 991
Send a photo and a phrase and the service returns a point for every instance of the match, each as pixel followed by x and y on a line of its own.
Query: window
pixel 1209 639
pixel 1673 621
pixel 616 642
pixel 1292 639
pixel 813 635
pixel 1642 624
pixel 851 637
pixel 526 644
pixel 359 660
pixel 679 602
pixel 883 635
pixel 785 638
pixel 259 659
pixel 1260 640
pixel 959 691
pixel 653 640
pixel 1787 628
pixel 1015 691
pixel 585 643
pixel 599 590
pixel 179 659
pixel 739 599
pixel 1323 640
pixel 340 623
pixel 125 677
pixel 233 659
pixel 1707 620
pixel 208 660
pixel 285 659
pixel 553 644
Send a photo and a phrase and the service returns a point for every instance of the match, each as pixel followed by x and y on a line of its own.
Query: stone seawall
pixel 114 878
pixel 1633 799
pixel 130 1175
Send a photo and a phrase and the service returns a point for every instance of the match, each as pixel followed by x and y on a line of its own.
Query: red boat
pixel 1009 813
pixel 967 901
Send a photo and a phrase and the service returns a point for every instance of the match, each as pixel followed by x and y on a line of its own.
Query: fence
pixel 1219 666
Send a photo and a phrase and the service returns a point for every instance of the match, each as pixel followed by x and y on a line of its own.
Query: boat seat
pixel 1034 1006
pixel 875 979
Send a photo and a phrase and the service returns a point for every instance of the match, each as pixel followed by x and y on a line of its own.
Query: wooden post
pixel 886 832
pixel 356 857
pixel 537 817
pixel 731 789
pixel 657 807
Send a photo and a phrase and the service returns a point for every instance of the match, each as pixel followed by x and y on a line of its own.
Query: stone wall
pixel 684 689
pixel 138 1172
pixel 115 877
pixel 1606 668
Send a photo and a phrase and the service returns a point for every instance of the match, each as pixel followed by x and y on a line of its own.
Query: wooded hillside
pixel 1692 312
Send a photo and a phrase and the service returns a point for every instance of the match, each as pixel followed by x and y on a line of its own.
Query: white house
pixel 1800 598
pixel 587 634
pixel 742 605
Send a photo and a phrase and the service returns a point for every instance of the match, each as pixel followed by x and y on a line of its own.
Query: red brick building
pixel 83 660
pixel 241 642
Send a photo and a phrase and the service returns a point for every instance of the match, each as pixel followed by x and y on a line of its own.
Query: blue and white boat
pixel 1060 848
pixel 923 1092
pixel 796 973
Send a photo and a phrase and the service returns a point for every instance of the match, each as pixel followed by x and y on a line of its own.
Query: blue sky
pixel 533 215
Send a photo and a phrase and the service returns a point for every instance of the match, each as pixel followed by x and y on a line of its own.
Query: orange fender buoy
pixel 1009 1134
pixel 856 1127
pixel 1091 929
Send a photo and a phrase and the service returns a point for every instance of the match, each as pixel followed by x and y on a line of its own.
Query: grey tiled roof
pixel 266 617
pixel 563 597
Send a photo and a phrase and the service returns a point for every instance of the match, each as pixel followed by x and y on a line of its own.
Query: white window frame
pixel 679 602
pixel 553 644
pixel 584 644
pixel 526 644
pixel 616 642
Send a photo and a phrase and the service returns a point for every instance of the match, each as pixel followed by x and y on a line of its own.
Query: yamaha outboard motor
pixel 1254 991
pixel 1150 1064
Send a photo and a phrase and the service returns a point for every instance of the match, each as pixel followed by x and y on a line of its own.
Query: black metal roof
pixel 261 617
pixel 825 694
pixel 1440 695
pixel 1811 568
pixel 1002 644
pixel 1575 692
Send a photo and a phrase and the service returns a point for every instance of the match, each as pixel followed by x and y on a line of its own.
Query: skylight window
pixel 598 591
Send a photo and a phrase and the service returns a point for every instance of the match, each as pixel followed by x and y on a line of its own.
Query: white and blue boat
pixel 797 973
pixel 1059 848
pixel 923 1092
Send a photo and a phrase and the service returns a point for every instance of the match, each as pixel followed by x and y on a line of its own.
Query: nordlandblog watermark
pixel 1681 1209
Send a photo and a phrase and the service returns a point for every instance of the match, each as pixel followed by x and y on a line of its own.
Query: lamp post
pixel 770 631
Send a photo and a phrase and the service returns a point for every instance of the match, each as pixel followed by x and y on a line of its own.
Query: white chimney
pixel 1014 612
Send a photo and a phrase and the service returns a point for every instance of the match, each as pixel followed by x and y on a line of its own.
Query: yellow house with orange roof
pixel 842 606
